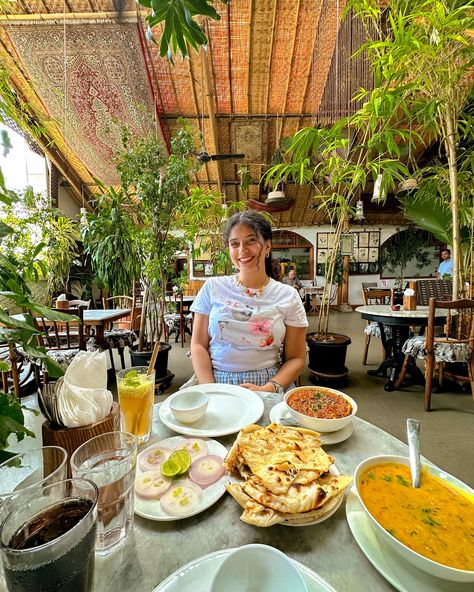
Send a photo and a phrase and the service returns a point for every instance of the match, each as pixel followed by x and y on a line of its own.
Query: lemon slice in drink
pixel 177 464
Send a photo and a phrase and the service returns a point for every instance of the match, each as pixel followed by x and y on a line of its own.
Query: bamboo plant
pixel 424 48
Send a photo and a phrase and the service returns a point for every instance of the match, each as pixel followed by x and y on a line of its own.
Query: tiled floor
pixel 446 432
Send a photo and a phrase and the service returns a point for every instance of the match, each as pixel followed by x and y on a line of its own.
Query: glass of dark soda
pixel 47 539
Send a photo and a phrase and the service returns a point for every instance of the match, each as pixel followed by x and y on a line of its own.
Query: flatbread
pixel 286 474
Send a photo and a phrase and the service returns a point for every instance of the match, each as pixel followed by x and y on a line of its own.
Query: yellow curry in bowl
pixel 435 520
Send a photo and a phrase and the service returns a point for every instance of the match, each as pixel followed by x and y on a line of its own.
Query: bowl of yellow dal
pixel 432 526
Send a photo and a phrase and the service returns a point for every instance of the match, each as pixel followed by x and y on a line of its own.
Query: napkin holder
pixel 72 438
pixel 409 302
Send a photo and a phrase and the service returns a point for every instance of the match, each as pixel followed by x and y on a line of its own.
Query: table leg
pixel 395 356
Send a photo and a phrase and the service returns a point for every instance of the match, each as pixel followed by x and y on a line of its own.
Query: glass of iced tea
pixel 47 538
pixel 136 395
pixel 109 460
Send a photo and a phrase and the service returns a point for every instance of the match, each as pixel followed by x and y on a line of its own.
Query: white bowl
pixel 188 405
pixel 432 567
pixel 315 423
pixel 258 567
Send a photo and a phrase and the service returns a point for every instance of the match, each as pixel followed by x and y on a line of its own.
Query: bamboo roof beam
pixel 270 53
pixel 210 94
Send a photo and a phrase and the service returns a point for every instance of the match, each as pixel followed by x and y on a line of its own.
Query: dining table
pixel 99 318
pixel 400 322
pixel 312 294
pixel 155 550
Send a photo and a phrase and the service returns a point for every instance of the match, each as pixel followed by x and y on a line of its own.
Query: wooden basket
pixel 72 438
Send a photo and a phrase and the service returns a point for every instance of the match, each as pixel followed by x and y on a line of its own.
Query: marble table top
pixel 154 550
pixel 385 310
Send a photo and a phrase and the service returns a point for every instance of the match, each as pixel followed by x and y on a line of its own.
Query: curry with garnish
pixel 435 520
pixel 319 403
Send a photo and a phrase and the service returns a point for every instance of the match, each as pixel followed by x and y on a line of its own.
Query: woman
pixel 242 321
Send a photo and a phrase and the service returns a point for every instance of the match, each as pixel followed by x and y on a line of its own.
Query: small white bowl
pixel 421 562
pixel 188 405
pixel 315 423
pixel 258 567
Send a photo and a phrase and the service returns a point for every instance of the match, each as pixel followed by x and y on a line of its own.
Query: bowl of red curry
pixel 320 408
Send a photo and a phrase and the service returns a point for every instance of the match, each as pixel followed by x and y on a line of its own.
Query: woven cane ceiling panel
pixel 105 87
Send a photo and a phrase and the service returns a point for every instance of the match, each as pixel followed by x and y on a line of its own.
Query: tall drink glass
pixel 47 538
pixel 109 460
pixel 136 395
pixel 29 471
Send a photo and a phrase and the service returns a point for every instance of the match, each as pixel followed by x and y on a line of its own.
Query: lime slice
pixel 177 464
pixel 170 468
pixel 183 458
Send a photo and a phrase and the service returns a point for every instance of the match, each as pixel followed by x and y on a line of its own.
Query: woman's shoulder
pixel 284 289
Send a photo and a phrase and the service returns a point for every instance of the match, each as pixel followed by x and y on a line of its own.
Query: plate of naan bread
pixel 283 476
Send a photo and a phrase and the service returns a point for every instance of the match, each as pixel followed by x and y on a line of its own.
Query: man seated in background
pixel 445 269
pixel 292 279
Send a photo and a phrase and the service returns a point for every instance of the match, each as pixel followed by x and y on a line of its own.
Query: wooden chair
pixel 179 322
pixel 123 336
pixel 450 353
pixel 61 339
pixel 369 297
pixel 433 288
pixel 85 304
pixel 9 354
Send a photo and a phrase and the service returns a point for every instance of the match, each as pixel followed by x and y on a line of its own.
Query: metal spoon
pixel 413 431
pixel 288 422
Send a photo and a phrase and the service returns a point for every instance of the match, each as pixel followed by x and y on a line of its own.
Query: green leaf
pixel 17 323
pixel 11 420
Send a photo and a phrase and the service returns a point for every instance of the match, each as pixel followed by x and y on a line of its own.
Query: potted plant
pixel 159 217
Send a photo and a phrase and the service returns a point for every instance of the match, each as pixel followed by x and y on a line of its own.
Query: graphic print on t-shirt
pixel 244 324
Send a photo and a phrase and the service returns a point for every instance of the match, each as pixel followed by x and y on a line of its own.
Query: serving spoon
pixel 413 431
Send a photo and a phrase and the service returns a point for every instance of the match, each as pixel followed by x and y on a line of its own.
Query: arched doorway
pixel 291 250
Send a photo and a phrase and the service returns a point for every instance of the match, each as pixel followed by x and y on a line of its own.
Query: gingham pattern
pixel 258 377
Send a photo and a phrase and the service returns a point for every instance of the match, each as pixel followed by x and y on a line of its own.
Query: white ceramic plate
pixel 400 573
pixel 230 409
pixel 280 411
pixel 151 509
pixel 197 575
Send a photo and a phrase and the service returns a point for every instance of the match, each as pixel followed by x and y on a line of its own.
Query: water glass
pixel 29 471
pixel 109 460
pixel 47 538
pixel 136 395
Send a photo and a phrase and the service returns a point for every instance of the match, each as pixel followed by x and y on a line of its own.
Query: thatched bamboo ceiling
pixel 272 67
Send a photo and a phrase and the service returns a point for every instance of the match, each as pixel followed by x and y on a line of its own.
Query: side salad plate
pixel 164 496
pixel 230 409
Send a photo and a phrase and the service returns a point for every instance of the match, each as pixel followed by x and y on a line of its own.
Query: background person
pixel 446 266
pixel 242 321
pixel 291 279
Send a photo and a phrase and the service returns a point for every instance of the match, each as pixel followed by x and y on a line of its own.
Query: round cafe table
pixel 400 322
pixel 154 550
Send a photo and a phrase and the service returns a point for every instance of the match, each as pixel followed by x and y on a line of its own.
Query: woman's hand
pixel 267 388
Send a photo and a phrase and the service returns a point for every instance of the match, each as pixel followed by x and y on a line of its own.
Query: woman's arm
pixel 295 358
pixel 200 357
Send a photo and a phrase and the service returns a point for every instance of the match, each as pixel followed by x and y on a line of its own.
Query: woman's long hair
pixel 260 226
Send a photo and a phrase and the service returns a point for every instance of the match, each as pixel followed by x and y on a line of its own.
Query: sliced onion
pixel 206 470
pixel 194 446
pixel 152 457
pixel 151 484
pixel 181 499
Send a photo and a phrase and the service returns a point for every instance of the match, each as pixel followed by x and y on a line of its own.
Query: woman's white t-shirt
pixel 247 332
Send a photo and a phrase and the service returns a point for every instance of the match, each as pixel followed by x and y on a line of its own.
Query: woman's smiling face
pixel 248 249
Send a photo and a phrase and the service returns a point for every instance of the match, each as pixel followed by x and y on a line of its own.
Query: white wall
pixel 66 203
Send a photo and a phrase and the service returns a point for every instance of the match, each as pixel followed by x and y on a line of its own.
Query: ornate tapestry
pixel 106 85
